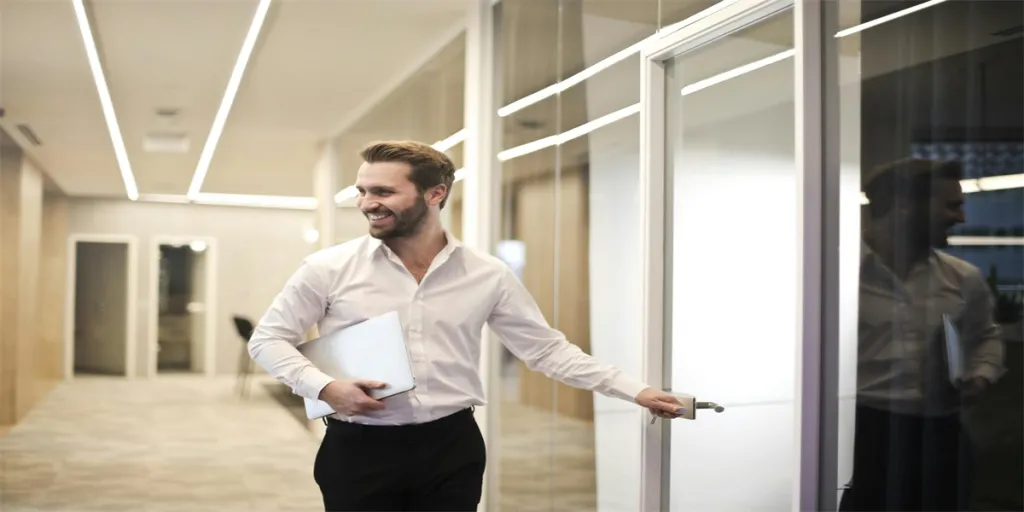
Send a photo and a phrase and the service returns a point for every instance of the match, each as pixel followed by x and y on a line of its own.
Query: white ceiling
pixel 317 64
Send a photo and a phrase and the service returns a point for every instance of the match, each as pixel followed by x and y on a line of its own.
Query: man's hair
pixel 429 167
pixel 910 181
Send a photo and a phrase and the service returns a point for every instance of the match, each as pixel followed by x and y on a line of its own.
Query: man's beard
pixel 405 223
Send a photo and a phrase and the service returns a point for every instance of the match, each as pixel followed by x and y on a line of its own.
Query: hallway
pixel 173 443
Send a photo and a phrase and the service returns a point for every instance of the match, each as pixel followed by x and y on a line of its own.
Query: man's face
pixel 941 213
pixel 389 200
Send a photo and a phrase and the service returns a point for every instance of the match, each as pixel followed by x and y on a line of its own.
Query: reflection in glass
pixel 932 150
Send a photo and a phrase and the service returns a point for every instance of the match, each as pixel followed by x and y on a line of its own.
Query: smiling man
pixel 420 450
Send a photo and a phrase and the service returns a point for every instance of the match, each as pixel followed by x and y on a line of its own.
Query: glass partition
pixel 931 145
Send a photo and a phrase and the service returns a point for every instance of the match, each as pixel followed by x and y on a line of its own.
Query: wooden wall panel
pixel 535 214
pixel 52 288
pixel 26 362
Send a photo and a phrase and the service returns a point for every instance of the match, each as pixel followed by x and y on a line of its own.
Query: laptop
pixel 372 350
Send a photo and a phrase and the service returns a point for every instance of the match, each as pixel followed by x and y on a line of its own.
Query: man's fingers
pixel 370 384
pixel 669 408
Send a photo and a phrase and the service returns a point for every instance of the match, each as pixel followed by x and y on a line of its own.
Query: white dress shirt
pixel 901 359
pixel 443 317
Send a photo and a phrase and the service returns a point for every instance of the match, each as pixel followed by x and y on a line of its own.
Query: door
pixel 722 244
pixel 101 308
pixel 197 309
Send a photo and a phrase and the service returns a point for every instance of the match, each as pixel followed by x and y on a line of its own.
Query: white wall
pixel 735 307
pixel 257 250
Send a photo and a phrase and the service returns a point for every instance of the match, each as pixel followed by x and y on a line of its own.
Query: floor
pixel 188 443
pixel 174 443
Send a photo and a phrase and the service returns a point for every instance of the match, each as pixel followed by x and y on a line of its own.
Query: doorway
pixel 182 321
pixel 719 184
pixel 101 306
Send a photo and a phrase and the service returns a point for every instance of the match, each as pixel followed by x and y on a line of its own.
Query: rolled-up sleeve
pixel 301 304
pixel 522 328
pixel 982 332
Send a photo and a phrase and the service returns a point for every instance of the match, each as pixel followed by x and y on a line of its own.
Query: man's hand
pixel 349 398
pixel 660 403
pixel 972 389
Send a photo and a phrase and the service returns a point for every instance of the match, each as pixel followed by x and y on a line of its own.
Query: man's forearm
pixel 285 363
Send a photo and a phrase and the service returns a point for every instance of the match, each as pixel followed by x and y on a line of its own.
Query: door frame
pixel 810 453
pixel 132 289
pixel 153 298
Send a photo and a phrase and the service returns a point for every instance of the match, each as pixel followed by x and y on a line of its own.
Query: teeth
pixel 378 216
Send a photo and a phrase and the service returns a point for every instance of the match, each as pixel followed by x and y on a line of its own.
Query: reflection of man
pixel 910 450
pixel 421 450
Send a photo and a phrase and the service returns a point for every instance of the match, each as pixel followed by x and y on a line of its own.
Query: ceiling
pixel 315 67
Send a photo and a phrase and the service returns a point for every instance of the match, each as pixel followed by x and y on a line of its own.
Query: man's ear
pixel 436 194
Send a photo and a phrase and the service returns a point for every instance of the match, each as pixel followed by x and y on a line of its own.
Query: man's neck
pixel 898 258
pixel 420 248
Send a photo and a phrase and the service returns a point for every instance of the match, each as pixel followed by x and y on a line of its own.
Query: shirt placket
pixel 417 352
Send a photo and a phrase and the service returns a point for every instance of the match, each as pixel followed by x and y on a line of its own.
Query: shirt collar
pixel 374 245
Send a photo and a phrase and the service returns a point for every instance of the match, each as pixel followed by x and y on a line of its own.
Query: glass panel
pixel 932 151
pixel 733 244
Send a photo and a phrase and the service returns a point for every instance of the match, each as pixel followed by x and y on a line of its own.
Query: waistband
pixel 443 422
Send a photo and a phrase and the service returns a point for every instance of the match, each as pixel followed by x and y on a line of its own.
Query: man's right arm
pixel 301 304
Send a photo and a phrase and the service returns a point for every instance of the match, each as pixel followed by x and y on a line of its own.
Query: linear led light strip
pixel 107 104
pixel 442 145
pixel 627 52
pixel 986 184
pixel 253 201
pixel 229 98
pixel 986 240
pixel 605 63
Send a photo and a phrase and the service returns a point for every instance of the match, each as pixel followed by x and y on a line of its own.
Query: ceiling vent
pixel 165 142
pixel 30 135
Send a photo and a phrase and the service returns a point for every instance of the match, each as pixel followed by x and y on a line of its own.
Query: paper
pixel 954 350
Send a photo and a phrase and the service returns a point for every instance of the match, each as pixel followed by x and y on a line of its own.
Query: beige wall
pixel 257 250
pixel 26 360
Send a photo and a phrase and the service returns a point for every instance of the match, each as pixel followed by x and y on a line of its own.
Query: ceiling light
pixel 887 18
pixel 197 246
pixel 735 72
pixel 605 63
pixel 234 82
pixel 106 103
pixel 311 236
pixel 451 141
pixel 986 240
pixel 562 138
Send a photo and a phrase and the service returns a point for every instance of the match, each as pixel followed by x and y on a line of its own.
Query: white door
pixel 197 311
pixel 719 199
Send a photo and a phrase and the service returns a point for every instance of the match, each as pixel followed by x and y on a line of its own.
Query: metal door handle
pixel 690 405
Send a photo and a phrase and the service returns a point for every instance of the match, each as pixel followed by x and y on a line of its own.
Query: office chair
pixel 245 365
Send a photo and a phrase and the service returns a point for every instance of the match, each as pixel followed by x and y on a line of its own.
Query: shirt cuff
pixel 625 388
pixel 987 371
pixel 313 381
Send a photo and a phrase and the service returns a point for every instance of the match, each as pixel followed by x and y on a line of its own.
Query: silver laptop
pixel 372 350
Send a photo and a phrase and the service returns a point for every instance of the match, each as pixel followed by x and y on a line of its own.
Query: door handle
pixel 690 407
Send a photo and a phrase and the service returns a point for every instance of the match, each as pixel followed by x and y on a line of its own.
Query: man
pixel 420 450
pixel 910 449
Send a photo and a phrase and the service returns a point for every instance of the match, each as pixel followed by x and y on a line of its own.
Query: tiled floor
pixel 188 443
pixel 176 443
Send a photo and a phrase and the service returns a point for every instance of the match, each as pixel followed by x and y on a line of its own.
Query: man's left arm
pixel 522 328
pixel 985 359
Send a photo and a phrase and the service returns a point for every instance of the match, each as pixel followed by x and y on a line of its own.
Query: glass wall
pixel 732 243
pixel 569 179
pixel 931 144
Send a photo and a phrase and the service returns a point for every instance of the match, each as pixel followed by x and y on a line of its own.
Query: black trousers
pixel 908 463
pixel 430 466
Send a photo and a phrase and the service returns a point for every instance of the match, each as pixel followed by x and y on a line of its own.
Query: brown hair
pixel 430 167
pixel 906 182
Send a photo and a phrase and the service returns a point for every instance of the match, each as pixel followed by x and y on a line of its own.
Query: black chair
pixel 245 365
